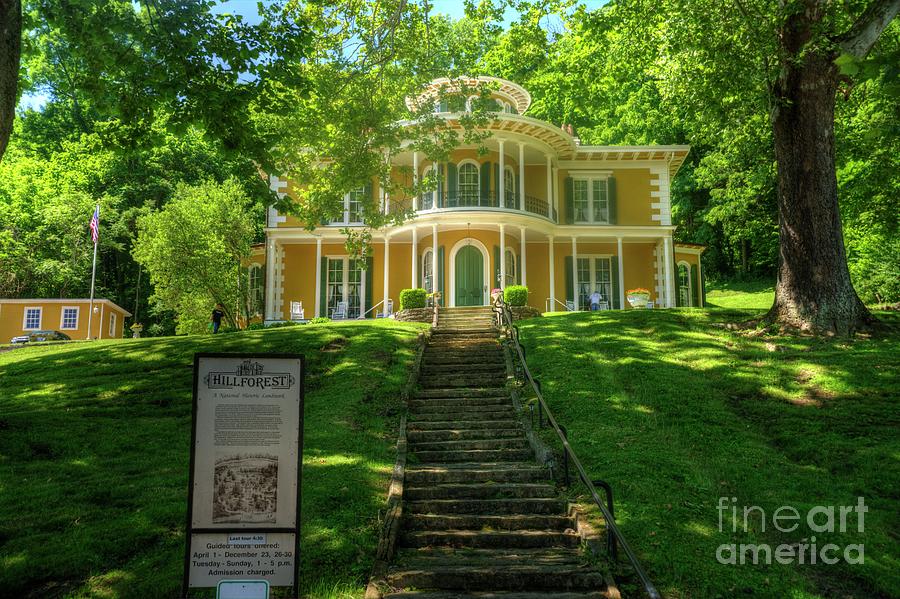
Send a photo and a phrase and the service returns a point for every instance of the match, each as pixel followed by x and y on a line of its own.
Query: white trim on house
pixel 690 287
pixel 76 300
pixel 25 310
pixel 465 241
pixel 62 318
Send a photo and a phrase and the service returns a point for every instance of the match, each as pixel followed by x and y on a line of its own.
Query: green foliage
pixel 516 295
pixel 100 432
pixel 193 250
pixel 412 298
pixel 320 320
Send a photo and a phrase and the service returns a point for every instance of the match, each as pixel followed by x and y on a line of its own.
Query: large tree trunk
pixel 813 291
pixel 10 51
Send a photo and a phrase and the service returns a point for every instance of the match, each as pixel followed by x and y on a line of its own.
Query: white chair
pixel 649 305
pixel 340 313
pixel 297 311
pixel 570 305
pixel 603 305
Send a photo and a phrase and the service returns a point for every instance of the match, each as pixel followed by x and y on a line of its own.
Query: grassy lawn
pixel 676 413
pixel 94 447
pixel 741 294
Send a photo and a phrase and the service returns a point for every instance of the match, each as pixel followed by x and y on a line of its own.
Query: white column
pixel 550 250
pixel 415 181
pixel 550 186
pixel 502 256
pixel 415 262
pixel 621 276
pixel 434 260
pixel 501 184
pixel 556 190
pixel 700 281
pixel 670 284
pixel 318 276
pixel 270 279
pixel 575 272
pixel 522 255
pixel 522 176
pixel 387 263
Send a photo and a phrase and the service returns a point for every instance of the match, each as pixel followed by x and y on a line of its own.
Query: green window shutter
pixel 440 262
pixel 613 203
pixel 695 286
pixel 452 183
pixel 614 277
pixel 484 198
pixel 442 107
pixel 440 186
pixel 702 289
pixel 496 184
pixel 323 291
pixel 570 284
pixel 496 277
pixel 370 276
pixel 570 204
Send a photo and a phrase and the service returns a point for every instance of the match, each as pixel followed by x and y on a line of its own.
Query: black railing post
pixel 610 538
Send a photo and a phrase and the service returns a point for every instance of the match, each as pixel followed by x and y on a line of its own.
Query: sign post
pixel 243 521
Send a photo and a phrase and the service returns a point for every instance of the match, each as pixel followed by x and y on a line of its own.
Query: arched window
pixel 428 198
pixel 256 289
pixel 468 184
pixel 509 187
pixel 684 285
pixel 427 270
pixel 510 267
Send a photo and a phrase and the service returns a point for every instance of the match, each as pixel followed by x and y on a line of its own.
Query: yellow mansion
pixel 539 209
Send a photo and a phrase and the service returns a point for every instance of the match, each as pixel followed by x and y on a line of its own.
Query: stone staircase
pixel 482 518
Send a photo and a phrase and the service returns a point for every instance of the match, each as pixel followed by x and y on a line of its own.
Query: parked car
pixel 34 336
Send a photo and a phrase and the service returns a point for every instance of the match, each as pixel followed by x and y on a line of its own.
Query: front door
pixel 469 277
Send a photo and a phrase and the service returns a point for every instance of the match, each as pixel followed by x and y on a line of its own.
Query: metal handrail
pixel 504 317
pixel 363 315
pixel 548 305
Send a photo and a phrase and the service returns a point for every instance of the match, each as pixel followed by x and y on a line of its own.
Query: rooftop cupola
pixel 510 96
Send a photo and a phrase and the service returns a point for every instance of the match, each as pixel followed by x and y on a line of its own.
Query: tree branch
pixel 859 39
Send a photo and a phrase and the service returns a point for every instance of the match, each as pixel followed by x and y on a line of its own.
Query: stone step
pixel 457 418
pixel 463 381
pixel 466 472
pixel 521 577
pixel 428 556
pixel 463 329
pixel 534 505
pixel 486 490
pixel 439 367
pixel 460 403
pixel 479 522
pixel 475 455
pixel 461 434
pixel 495 595
pixel 435 408
pixel 441 425
pixel 464 358
pixel 468 444
pixel 505 539
pixel 457 392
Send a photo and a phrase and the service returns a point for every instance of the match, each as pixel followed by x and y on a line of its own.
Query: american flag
pixel 95 224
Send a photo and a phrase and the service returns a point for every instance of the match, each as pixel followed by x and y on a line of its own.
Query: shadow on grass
pixel 94 447
pixel 676 414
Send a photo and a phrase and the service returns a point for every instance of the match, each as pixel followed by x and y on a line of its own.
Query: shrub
pixel 320 320
pixel 412 298
pixel 516 295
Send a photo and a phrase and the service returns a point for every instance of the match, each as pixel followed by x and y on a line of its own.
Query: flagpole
pixel 93 278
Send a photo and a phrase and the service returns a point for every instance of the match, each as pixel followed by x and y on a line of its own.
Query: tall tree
pixel 10 51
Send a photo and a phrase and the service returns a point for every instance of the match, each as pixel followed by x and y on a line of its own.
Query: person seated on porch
pixel 596 298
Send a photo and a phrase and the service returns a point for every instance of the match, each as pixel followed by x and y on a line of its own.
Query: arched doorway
pixel 469 281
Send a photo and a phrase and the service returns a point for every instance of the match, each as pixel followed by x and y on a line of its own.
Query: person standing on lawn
pixel 216 318
pixel 595 300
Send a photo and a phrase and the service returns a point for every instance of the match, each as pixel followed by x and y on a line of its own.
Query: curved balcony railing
pixel 480 201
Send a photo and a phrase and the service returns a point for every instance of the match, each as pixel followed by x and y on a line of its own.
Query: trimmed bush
pixel 412 298
pixel 320 320
pixel 516 295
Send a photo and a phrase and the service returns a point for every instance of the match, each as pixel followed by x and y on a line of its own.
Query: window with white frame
pixel 594 274
pixel 427 271
pixel 429 198
pixel 345 284
pixel 112 324
pixel 353 208
pixel 468 184
pixel 32 320
pixel 256 289
pixel 510 267
pixel 590 200
pixel 684 284
pixel 509 186
pixel 69 318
